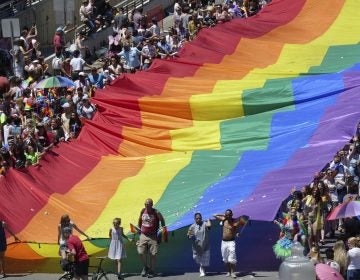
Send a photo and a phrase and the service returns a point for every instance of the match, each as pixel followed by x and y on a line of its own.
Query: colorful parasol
pixel 325 272
pixel 344 210
pixel 55 82
pixel 25 83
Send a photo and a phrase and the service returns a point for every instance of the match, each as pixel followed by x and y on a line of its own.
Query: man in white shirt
pixel 77 65
pixel 82 82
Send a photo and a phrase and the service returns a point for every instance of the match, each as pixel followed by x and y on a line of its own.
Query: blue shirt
pixel 97 80
pixel 132 57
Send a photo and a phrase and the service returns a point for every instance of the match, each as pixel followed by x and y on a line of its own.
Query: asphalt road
pixel 186 276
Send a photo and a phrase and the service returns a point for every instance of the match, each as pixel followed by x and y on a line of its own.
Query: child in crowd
pixel 65 222
pixel 330 259
pixel 117 250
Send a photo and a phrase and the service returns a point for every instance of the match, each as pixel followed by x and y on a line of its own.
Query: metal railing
pixel 127 5
pixel 12 8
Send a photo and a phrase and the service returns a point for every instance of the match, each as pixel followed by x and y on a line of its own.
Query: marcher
pixel 65 222
pixel 149 221
pixel 77 250
pixel 116 249
pixel 3 245
pixel 228 249
pixel 289 227
pixel 199 234
pixel 353 255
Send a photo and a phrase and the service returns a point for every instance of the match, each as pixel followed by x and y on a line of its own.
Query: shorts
pixel 228 252
pixel 147 243
pixel 63 245
pixel 82 268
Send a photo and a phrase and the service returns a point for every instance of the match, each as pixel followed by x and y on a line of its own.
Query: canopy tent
pixel 248 110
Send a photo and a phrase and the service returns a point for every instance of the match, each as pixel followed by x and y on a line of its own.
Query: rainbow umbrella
pixel 25 83
pixel 55 82
pixel 325 272
pixel 344 210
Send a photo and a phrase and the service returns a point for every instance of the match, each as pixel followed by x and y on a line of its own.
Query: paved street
pixel 186 276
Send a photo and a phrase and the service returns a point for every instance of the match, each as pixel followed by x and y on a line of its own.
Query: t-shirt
pixel 74 242
pixel 132 57
pixel 77 63
pixel 354 258
pixel 150 222
pixel 33 157
pixel 97 80
pixel 56 63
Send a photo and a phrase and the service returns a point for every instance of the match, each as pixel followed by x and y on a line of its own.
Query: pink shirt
pixel 57 42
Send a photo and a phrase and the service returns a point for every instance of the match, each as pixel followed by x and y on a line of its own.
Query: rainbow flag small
pixel 243 220
pixel 134 229
pixel 162 235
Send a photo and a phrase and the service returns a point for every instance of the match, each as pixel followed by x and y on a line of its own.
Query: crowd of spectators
pixel 34 119
pixel 336 183
pixel 137 40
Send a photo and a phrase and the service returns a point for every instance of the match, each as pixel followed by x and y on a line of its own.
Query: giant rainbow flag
pixel 248 110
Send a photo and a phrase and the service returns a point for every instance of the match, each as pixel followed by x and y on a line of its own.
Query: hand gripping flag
pixel 134 229
pixel 162 235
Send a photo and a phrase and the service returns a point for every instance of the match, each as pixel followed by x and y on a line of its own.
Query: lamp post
pixel 297 267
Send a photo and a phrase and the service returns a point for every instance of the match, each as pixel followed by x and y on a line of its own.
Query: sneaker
pixel 202 271
pixel 227 274
pixel 144 271
pixel 233 275
pixel 150 274
pixel 119 277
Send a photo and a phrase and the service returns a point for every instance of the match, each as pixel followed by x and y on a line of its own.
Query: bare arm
pixel 81 232
pixel 190 232
pixel 25 52
pixel 59 233
pixel 140 219
pixel 110 234
pixel 29 37
pixel 10 231
pixel 161 218
pixel 123 235
pixel 220 217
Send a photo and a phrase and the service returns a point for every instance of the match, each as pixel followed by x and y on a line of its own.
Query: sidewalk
pixel 186 276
